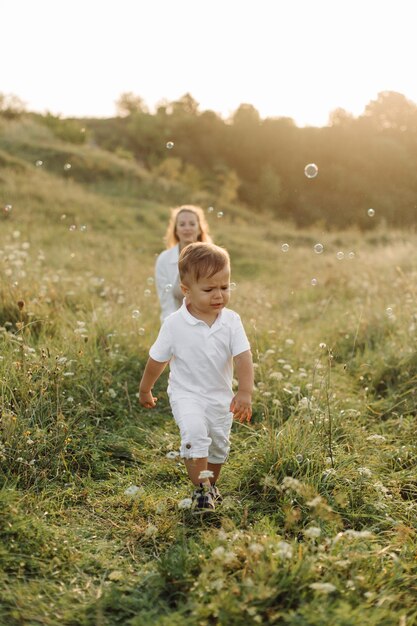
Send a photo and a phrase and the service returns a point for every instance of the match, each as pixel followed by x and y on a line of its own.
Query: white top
pixel 167 281
pixel 201 356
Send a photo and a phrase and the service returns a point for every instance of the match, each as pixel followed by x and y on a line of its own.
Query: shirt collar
pixel 193 320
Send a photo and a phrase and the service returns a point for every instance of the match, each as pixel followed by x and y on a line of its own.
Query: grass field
pixel 318 525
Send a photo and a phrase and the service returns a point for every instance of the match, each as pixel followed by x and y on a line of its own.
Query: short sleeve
pixel 239 340
pixel 161 350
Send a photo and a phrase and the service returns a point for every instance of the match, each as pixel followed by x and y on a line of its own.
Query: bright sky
pixel 295 58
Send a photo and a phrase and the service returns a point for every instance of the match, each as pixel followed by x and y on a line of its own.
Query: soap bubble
pixel 150 280
pixel 63 216
pixel 83 228
pixel 170 145
pixel 141 331
pixel 136 314
pixel 8 208
pixel 371 212
pixel 318 248
pixel 314 282
pixel 210 209
pixel 147 293
pixel 232 286
pixel 285 247
pixel 389 311
pixel 351 255
pixel 72 228
pixel 67 166
pixel 340 255
pixel 39 163
pixel 311 170
pixel 168 287
pixel 220 214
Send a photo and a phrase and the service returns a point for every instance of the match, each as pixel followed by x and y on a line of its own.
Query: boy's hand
pixel 147 399
pixel 241 406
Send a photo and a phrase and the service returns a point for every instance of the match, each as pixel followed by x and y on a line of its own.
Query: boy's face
pixel 208 296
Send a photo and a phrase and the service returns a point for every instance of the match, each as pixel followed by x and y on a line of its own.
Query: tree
pixel 392 110
pixel 129 104
pixel 185 105
pixel 11 106
pixel 340 117
pixel 246 115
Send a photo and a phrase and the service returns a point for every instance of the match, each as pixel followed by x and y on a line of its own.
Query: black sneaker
pixel 202 499
pixel 216 495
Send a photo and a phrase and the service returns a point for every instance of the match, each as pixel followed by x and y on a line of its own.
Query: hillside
pixel 318 525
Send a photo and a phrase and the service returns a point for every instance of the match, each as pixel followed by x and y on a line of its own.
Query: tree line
pixel 363 162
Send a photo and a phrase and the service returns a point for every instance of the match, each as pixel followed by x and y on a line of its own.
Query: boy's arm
pixel 241 405
pixel 153 370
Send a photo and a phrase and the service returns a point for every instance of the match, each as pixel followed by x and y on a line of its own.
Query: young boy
pixel 200 341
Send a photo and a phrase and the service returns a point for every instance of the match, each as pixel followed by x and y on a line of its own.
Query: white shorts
pixel 204 432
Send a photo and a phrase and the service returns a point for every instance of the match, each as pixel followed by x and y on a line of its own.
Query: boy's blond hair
pixel 201 260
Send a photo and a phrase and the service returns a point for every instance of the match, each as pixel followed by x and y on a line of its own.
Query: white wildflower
pixel 304 403
pixel 185 503
pixel 112 393
pixel 276 375
pixel 269 481
pixel 312 532
pixel 219 552
pixel 151 530
pixel 364 471
pixel 256 548
pixel 381 488
pixel 229 557
pixel 315 501
pixel 291 483
pixel 284 550
pixel 358 534
pixel 323 587
pixel 376 438
pixel 353 534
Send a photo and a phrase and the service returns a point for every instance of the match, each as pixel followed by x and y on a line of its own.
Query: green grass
pixel 318 525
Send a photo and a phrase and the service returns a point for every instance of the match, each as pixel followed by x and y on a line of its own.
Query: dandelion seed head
pixel 219 552
pixel 284 550
pixel 313 532
pixel 185 503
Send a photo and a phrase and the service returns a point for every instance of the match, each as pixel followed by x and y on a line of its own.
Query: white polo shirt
pixel 201 356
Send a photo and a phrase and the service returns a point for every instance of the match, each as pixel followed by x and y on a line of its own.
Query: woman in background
pixel 186 225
